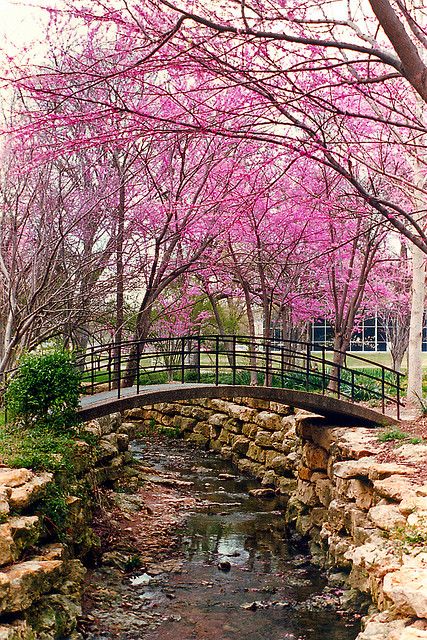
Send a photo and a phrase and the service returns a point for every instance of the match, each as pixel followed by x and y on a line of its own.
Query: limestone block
pixel 361 492
pixel 227 453
pixel 249 429
pixel 166 420
pixel 16 630
pixel 282 409
pixel 107 449
pixel 214 432
pixel 287 486
pixel 122 441
pixel 256 453
pixel 268 421
pixel 288 424
pixel 376 630
pixel 25 582
pixel 184 424
pixel 412 502
pixel 314 457
pixel 218 419
pixel 306 494
pixel 233 425
pixel 303 524
pixel 270 479
pixel 304 473
pixel 277 440
pixel 4 501
pixel 254 403
pixel 7 546
pixel 249 466
pixel 376 556
pixel 224 437
pixel 369 468
pixel 357 443
pixel 394 488
pixel 204 428
pixel 195 412
pixel 325 437
pixel 386 517
pixel 198 439
pixel 137 413
pixel 407 589
pixel 21 497
pixel 324 491
pixel 236 411
pixel 168 408
pixel 418 519
pixel 240 445
pixel 14 477
pixel 318 516
pixel 263 438
pixel 408 633
pixel 414 452
pixel 337 514
pixel 306 423
pixel 110 423
pixel 129 428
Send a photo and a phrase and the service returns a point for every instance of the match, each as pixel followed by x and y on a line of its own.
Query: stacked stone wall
pixel 363 517
pixel 41 573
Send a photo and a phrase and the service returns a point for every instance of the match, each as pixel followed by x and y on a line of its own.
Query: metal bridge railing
pixel 240 360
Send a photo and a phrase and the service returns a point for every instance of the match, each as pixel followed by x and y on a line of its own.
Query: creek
pixel 242 575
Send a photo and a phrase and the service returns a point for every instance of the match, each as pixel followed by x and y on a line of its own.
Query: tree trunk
pixel 415 370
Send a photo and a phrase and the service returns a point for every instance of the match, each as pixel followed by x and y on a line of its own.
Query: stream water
pixel 243 576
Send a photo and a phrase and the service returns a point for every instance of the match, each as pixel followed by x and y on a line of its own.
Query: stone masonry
pixel 364 517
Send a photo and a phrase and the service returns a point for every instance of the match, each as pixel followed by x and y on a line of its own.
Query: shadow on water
pixel 243 577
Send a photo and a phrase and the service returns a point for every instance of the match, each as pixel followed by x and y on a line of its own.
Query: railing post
pixel 109 367
pixel 217 360
pixel 234 360
pixel 198 358
pixel 307 368
pixel 352 385
pixel 137 367
pixel 383 390
pixel 267 363
pixel 339 380
pixel 324 385
pixel 4 395
pixel 92 371
pixel 182 360
pixel 398 395
pixel 119 370
pixel 282 366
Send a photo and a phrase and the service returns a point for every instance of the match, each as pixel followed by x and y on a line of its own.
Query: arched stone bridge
pixel 336 410
pixel 131 374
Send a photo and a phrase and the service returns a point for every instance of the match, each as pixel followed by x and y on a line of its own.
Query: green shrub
pixel 45 391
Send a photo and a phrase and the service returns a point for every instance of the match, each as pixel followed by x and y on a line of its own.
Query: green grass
pixel 394 434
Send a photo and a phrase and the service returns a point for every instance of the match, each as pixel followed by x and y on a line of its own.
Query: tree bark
pixel 415 371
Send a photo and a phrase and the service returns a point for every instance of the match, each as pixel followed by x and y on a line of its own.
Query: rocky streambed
pixel 191 551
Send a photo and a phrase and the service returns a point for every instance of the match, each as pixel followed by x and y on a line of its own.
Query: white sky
pixel 19 23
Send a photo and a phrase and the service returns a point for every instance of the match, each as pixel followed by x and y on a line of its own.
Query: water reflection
pixel 241 579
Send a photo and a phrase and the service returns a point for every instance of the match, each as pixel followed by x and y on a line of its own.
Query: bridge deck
pixel 334 409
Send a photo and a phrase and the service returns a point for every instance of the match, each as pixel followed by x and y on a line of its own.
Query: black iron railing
pixel 240 360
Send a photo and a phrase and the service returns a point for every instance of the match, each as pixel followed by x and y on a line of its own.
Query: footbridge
pixel 345 388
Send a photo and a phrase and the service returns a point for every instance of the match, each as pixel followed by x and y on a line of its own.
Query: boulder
pixel 386 517
pixel 314 457
pixel 21 497
pixel 407 589
pixel 268 420
pixel 240 445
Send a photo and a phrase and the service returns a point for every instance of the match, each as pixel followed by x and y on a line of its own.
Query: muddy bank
pixel 187 553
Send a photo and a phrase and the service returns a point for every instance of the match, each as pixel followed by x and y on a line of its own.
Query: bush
pixel 45 391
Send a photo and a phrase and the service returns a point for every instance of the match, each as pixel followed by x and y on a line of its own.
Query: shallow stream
pixel 243 577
